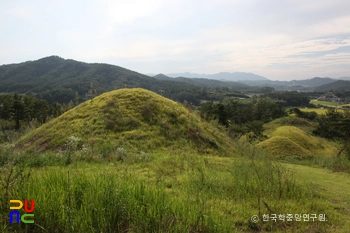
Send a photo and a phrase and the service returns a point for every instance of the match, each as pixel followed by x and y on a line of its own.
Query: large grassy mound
pixel 136 119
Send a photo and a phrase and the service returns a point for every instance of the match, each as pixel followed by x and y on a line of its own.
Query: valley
pixel 131 153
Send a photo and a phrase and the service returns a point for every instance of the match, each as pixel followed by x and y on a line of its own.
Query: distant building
pixel 329 97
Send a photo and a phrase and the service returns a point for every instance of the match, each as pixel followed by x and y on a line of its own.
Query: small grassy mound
pixel 295 140
pixel 301 123
pixel 298 136
pixel 136 119
pixel 283 146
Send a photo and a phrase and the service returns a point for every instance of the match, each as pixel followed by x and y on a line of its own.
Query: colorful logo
pixel 15 215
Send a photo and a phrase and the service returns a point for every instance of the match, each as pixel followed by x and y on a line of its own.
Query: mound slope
pixel 133 118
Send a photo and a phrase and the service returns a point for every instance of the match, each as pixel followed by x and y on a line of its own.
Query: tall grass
pixel 172 192
pixel 100 202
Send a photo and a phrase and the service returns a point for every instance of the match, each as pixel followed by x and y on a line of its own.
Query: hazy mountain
pixel 344 78
pixel 314 82
pixel 337 85
pixel 161 77
pixel 204 82
pixel 294 85
pixel 220 76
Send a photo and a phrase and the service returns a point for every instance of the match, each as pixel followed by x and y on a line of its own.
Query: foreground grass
pixel 332 186
pixel 169 192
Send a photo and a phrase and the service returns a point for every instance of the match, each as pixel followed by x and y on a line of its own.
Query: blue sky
pixel 278 39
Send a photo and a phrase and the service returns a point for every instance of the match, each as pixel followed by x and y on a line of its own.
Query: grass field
pixel 177 192
pixel 132 161
pixel 325 103
pixel 318 110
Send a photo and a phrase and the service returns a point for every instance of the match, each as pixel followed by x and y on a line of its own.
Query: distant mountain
pixel 294 85
pixel 56 79
pixel 337 85
pixel 204 82
pixel 161 77
pixel 344 78
pixel 314 82
pixel 55 72
pixel 237 76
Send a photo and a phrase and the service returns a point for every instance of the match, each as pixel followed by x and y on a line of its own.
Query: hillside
pixel 136 119
pixel 55 72
pixel 338 85
pixel 57 79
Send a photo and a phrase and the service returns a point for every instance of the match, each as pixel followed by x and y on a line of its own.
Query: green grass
pixel 328 103
pixel 176 192
pixel 319 111
pixel 323 104
pixel 333 187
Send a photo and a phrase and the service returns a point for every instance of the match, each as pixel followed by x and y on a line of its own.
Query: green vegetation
pixel 176 192
pixel 290 99
pixel 324 103
pixel 133 161
pixel 319 111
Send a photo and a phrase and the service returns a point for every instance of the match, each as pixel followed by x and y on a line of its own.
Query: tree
pixel 255 130
pixel 336 125
pixel 222 114
pixel 232 112
pixel 41 110
pixel 55 109
pixel 6 106
pixel 76 98
pixel 29 110
pixel 18 110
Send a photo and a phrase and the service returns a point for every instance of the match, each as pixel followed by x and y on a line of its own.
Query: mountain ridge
pixel 56 79
pixel 227 76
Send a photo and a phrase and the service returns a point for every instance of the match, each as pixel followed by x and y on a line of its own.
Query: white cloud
pixel 288 38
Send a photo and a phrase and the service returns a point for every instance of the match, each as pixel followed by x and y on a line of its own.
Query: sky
pixel 277 39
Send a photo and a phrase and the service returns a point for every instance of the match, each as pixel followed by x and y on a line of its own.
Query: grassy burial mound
pixel 283 146
pixel 135 119
pixel 298 136
pixel 292 141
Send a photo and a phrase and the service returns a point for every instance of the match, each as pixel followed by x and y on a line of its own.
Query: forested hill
pixel 338 85
pixel 204 82
pixel 59 80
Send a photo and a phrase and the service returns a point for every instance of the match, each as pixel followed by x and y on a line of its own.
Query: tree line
pixel 243 117
pixel 335 125
pixel 24 109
